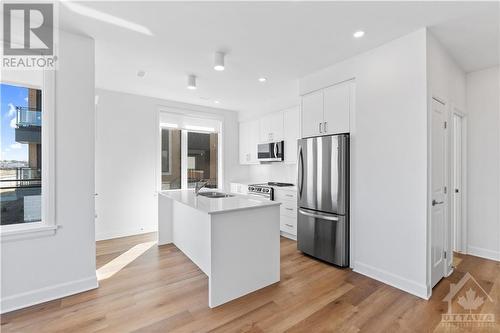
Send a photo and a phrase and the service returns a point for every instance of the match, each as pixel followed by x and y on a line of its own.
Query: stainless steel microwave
pixel 270 152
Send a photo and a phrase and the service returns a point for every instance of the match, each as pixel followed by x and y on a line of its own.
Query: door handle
pixel 324 127
pixel 435 202
pixel 301 171
pixel 320 127
pixel 319 216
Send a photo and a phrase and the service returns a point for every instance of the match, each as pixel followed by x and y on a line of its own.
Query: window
pixel 21 159
pixel 189 151
pixel 170 159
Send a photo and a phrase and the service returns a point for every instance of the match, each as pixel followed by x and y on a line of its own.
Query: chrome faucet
pixel 199 185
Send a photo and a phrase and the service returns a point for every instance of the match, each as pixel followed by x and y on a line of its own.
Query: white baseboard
pixel 123 233
pixel 412 287
pixel 483 253
pixel 46 294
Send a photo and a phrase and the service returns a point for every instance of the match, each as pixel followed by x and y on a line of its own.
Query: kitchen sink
pixel 215 195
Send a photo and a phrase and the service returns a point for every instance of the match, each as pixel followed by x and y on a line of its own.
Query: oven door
pixel 270 152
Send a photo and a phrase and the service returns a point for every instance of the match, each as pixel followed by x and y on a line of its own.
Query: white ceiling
pixel 282 41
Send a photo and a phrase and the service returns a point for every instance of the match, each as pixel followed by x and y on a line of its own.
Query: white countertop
pixel 217 205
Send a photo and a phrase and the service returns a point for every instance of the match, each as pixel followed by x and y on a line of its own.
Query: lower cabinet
pixel 288 211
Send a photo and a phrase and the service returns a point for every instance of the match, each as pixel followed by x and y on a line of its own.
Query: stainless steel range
pixel 261 190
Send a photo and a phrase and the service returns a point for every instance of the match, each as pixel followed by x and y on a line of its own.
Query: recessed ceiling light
pixel 191 82
pixel 219 61
pixel 216 102
pixel 358 34
pixel 141 73
pixel 262 79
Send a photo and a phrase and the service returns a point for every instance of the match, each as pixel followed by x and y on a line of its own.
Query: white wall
pixel 126 159
pixel 483 168
pixel 388 159
pixel 44 268
pixel 446 82
pixel 274 172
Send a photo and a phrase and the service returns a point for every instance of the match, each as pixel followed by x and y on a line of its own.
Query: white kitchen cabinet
pixel 336 100
pixel 312 113
pixel 291 128
pixel 271 127
pixel 249 138
pixel 238 188
pixel 288 210
pixel 327 111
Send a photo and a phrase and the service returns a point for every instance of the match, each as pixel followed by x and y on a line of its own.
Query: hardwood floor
pixel 163 291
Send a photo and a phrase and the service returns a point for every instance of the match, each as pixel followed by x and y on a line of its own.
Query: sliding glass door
pixel 188 157
pixel 202 158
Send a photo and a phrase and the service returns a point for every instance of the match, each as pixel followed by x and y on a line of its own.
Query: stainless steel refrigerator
pixel 323 198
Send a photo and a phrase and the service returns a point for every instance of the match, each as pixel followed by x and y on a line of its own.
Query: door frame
pixel 448 269
pixel 462 227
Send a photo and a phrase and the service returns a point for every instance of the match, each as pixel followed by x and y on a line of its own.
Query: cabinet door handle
pixel 289 209
pixel 289 225
pixel 324 127
pixel 320 127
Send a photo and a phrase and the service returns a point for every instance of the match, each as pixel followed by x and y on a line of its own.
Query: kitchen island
pixel 234 240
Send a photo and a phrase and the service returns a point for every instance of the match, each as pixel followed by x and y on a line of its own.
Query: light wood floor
pixel 162 291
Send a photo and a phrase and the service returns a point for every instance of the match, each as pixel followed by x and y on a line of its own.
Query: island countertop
pixel 217 205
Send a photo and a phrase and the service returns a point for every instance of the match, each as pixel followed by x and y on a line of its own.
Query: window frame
pixel 179 113
pixel 169 172
pixel 47 226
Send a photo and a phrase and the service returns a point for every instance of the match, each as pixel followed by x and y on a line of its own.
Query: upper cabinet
pixel 327 111
pixel 249 138
pixel 271 127
pixel 277 126
pixel 291 128
pixel 312 113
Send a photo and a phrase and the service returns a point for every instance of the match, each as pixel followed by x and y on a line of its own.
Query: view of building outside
pixel 21 154
pixel 170 159
pixel 202 157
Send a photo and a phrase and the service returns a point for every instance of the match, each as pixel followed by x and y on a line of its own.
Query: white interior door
pixel 438 187
pixel 457 182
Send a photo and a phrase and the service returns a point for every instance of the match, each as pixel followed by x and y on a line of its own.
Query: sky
pixel 11 96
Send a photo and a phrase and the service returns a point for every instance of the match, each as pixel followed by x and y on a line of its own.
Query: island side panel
pixel 191 234
pixel 245 253
pixel 165 209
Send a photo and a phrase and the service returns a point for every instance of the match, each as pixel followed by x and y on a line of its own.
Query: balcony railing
pixel 24 178
pixel 28 117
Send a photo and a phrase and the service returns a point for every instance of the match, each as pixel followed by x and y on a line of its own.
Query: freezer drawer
pixel 324 236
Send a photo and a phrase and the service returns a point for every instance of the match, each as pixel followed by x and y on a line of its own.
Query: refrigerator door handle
pixel 319 215
pixel 301 171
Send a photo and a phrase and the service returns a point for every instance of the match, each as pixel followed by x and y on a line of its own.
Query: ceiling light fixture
pixel 191 82
pixel 262 79
pixel 216 102
pixel 219 61
pixel 104 17
pixel 358 34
